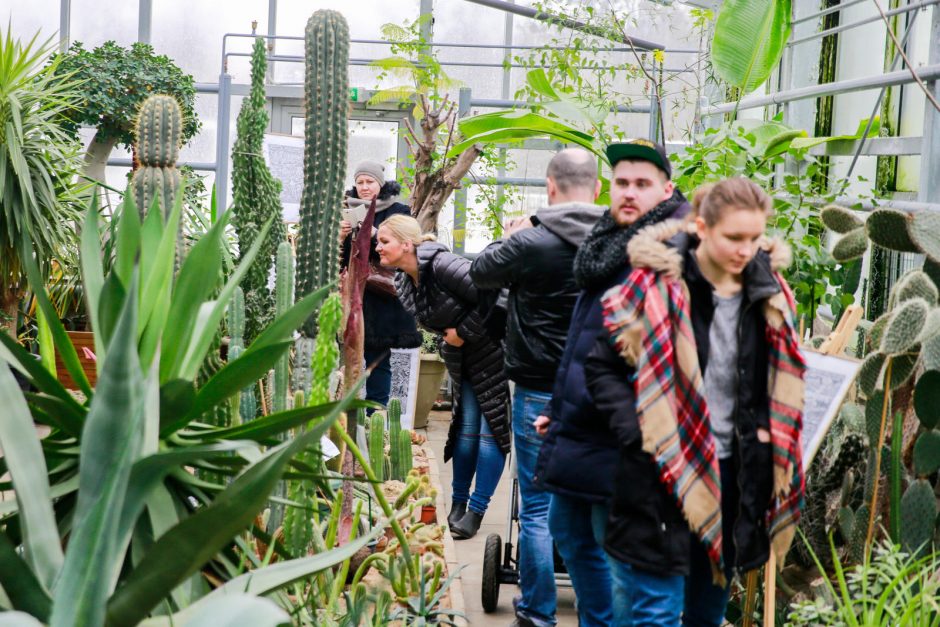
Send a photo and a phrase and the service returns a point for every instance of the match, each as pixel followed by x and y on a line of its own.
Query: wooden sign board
pixel 828 379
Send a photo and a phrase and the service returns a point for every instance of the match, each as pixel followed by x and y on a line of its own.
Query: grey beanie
pixel 373 168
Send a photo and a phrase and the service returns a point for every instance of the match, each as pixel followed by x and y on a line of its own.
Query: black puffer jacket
pixel 537 266
pixel 387 324
pixel 446 297
pixel 646 528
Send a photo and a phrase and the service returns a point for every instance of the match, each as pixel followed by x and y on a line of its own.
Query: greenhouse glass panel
pixel 94 22
pixel 28 18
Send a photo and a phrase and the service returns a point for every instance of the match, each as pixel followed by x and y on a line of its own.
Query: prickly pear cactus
pixel 284 291
pixel 255 199
pixel 325 146
pixel 159 134
pixel 904 327
pixel 840 219
pixel 918 513
pixel 247 406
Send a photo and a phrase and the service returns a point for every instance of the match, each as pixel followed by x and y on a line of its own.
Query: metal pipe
pixel 639 44
pixel 65 21
pixel 868 20
pixel 860 204
pixel 503 180
pixel 222 141
pixel 900 77
pixel 500 103
pixel 819 14
pixel 144 20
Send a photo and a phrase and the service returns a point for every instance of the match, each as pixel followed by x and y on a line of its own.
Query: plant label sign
pixel 405 364
pixel 828 379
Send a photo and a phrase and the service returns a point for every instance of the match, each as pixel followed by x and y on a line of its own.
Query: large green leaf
pixel 62 342
pixel 92 269
pixel 18 619
pixel 128 240
pixel 184 549
pixel 19 358
pixel 284 325
pixel 19 583
pixel 111 442
pixel 233 610
pixel 502 120
pixel 749 39
pixel 809 142
pixel 27 467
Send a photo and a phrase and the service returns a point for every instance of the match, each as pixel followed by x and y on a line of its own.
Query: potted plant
pixel 430 375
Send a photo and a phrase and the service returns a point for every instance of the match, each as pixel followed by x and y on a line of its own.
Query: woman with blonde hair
pixel 700 375
pixel 434 285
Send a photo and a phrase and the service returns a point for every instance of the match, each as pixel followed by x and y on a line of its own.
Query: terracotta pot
pixel 428 514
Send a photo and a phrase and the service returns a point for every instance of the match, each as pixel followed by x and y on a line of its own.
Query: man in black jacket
pixel 579 457
pixel 536 264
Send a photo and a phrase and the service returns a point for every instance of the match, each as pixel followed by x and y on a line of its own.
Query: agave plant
pixel 112 473
pixel 38 161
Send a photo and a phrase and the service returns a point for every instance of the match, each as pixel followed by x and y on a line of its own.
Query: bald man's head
pixel 572 175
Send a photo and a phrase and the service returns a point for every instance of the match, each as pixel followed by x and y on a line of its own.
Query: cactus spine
pixel 326 90
pixel 377 445
pixel 247 406
pixel 159 134
pixel 255 198
pixel 284 291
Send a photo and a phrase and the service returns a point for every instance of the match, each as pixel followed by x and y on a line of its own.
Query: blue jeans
pixel 578 529
pixel 476 453
pixel 536 561
pixel 379 383
pixel 648 599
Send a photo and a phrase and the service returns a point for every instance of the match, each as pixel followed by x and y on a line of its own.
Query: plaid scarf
pixel 649 322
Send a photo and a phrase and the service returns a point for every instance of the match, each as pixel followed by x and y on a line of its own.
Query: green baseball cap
pixel 642 149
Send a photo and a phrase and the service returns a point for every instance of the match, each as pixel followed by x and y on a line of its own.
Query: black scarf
pixel 604 253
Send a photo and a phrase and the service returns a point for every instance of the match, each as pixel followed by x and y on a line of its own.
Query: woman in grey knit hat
pixel 387 324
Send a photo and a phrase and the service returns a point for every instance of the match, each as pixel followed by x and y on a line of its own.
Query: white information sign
pixel 828 380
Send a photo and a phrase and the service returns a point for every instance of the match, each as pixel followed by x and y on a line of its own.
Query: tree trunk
pixel 9 304
pixel 96 157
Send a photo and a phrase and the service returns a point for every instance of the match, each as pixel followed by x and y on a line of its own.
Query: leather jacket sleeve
pixel 610 381
pixel 502 262
pixel 453 274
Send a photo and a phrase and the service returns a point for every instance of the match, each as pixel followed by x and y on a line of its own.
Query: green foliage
pixel 115 81
pixel 111 476
pixel 749 39
pixel 325 147
pixel 893 587
pixel 255 197
pixel 326 351
pixel 38 162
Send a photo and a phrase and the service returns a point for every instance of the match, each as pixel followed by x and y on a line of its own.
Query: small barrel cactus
pixel 159 135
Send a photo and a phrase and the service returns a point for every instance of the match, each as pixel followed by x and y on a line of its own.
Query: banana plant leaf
pixel 749 39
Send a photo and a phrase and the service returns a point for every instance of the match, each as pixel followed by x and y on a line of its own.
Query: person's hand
pixel 345 228
pixel 763 435
pixel 451 337
pixel 541 425
pixel 517 224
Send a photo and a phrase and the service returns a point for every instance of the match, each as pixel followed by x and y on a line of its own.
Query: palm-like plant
pixel 38 163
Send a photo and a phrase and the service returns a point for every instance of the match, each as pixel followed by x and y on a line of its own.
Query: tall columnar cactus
pixel 247 406
pixel 326 98
pixel 302 373
pixel 159 134
pixel 377 445
pixel 255 199
pixel 284 293
pixel 326 350
pixel 394 429
pixel 404 451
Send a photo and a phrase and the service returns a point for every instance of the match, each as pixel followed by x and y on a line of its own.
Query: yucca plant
pixel 111 474
pixel 38 162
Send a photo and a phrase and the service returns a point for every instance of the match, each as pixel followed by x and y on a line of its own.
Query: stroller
pixel 501 560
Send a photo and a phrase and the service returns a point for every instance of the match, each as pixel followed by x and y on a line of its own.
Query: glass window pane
pixel 94 22
pixel 28 18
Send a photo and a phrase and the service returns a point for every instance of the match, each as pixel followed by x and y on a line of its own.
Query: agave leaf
pixel 27 467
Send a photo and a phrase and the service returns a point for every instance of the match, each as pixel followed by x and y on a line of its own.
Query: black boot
pixel 457 510
pixel 467 527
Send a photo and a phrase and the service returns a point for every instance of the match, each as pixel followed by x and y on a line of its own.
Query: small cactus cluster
pixel 906 338
pixel 255 199
pixel 159 131
pixel 398 463
pixel 325 147
pixel 247 404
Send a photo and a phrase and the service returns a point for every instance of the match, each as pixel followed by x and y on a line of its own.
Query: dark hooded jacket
pixel 536 264
pixel 579 455
pixel 445 297
pixel 646 528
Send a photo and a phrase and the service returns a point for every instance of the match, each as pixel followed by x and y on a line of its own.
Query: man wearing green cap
pixel 579 458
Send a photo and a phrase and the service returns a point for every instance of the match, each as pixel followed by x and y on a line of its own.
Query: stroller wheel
pixel 489 593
